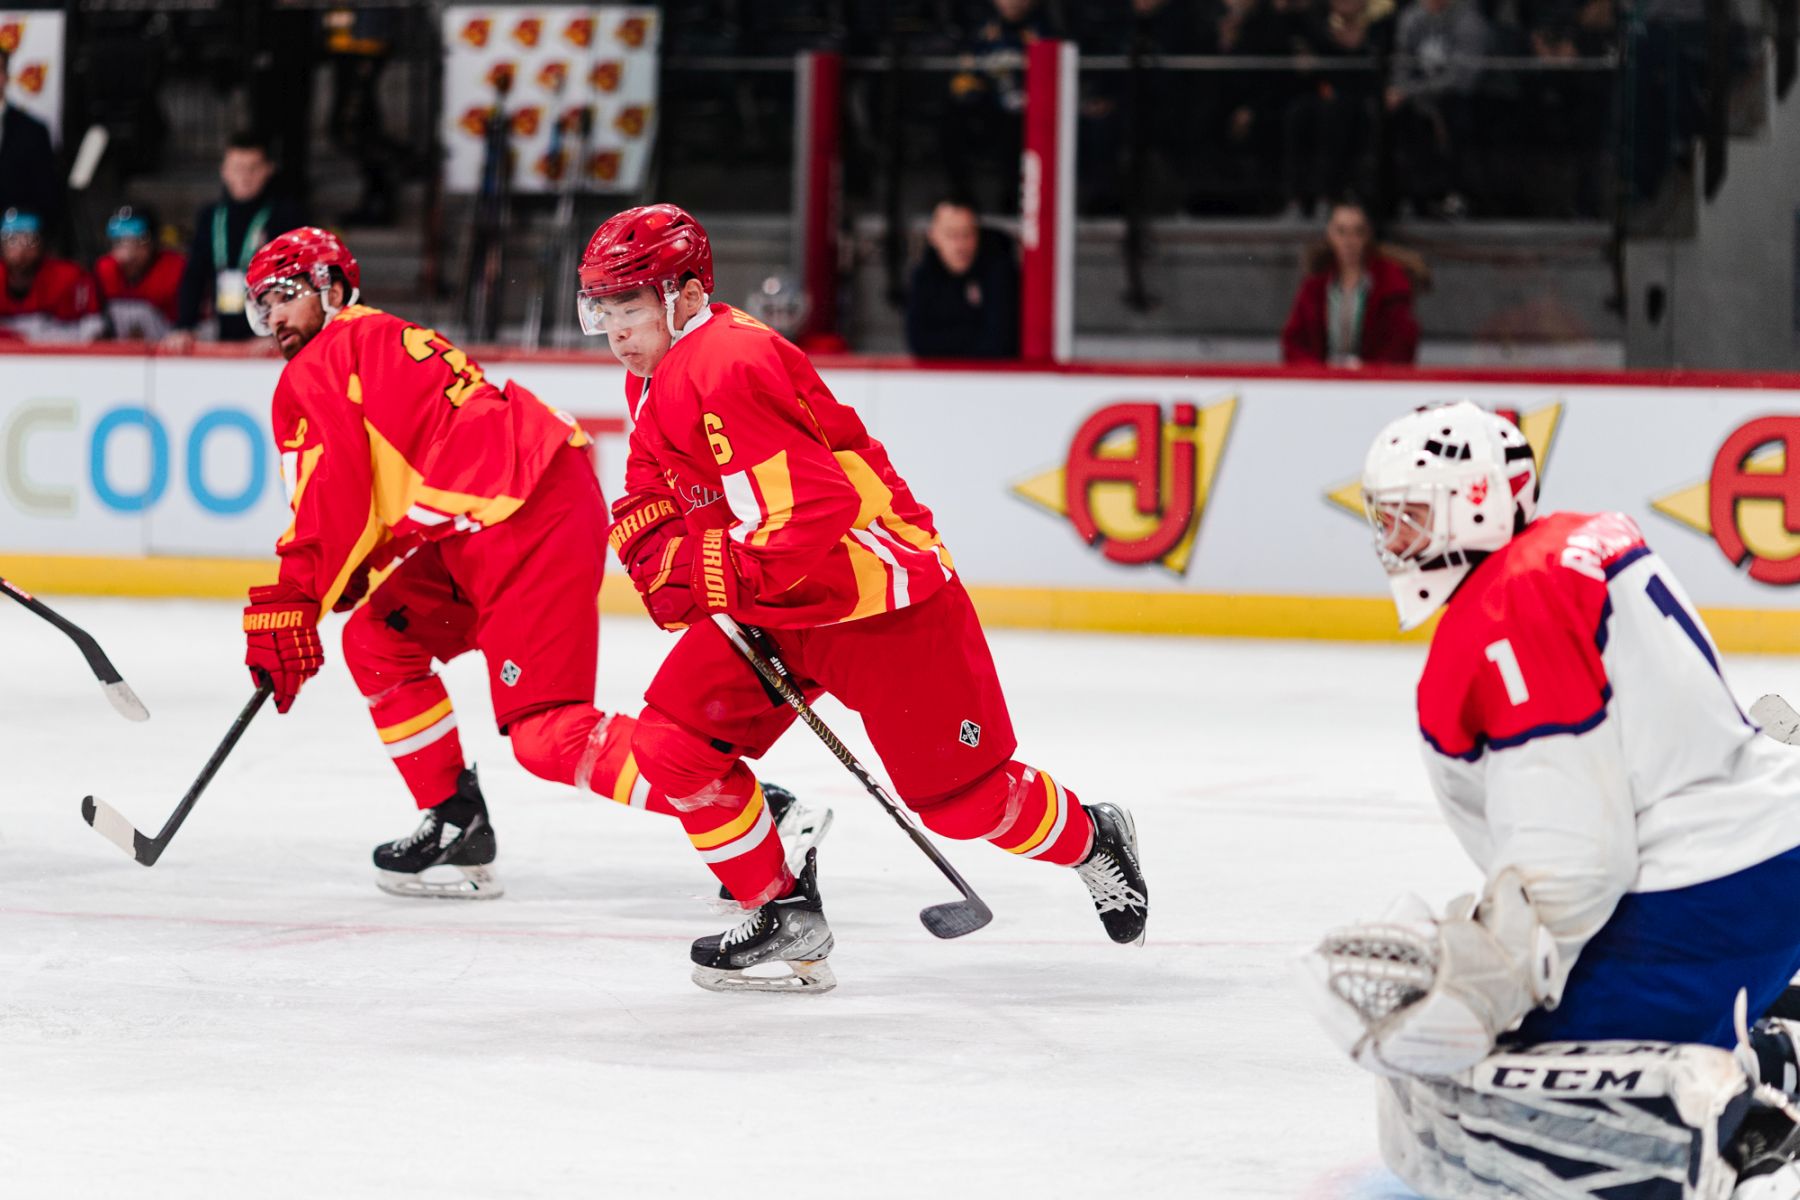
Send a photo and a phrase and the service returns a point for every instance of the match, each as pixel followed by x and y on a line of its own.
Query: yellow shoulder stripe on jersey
pixel 875 495
pixel 373 532
pixel 871 579
pixel 309 462
pixel 354 390
pixel 776 485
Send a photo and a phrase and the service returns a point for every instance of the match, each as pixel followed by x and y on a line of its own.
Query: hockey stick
pixel 951 919
pixel 113 826
pixel 111 682
pixel 1778 719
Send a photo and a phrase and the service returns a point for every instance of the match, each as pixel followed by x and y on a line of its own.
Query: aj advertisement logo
pixel 1750 504
pixel 1136 479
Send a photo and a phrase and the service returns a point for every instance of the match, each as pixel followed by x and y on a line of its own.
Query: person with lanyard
pixel 226 235
pixel 1355 306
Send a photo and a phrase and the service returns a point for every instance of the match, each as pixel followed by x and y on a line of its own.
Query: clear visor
pixel 1404 527
pixel 258 307
pixel 620 313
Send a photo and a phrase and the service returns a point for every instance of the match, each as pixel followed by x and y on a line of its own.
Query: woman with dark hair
pixel 1355 304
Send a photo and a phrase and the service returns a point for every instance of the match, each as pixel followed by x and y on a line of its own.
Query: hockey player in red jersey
pixel 1639 844
pixel 43 298
pixel 471 518
pixel 753 494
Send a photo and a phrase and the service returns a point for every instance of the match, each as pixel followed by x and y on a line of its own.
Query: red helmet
pixel 307 253
pixel 643 247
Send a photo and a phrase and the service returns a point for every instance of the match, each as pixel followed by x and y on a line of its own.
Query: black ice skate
pixel 1113 876
pixel 788 933
pixel 455 834
pixel 800 827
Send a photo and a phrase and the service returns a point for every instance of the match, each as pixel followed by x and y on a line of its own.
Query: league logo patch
pixel 969 735
pixel 509 672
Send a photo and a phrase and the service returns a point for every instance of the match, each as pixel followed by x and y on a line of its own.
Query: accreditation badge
pixel 228 296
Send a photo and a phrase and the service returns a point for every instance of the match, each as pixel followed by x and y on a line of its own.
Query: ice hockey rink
pixel 251 1015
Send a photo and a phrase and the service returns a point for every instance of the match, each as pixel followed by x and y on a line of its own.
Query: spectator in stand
pixel 963 301
pixel 28 178
pixel 1136 119
pixel 139 281
pixel 1328 125
pixel 1239 112
pixel 1430 98
pixel 1355 306
pixel 984 123
pixel 43 299
pixel 226 234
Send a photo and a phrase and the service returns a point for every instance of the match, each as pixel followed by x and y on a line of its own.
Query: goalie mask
pixel 1443 488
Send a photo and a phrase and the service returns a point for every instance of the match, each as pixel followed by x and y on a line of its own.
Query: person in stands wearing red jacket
pixel 1356 305
pixel 43 299
pixel 138 279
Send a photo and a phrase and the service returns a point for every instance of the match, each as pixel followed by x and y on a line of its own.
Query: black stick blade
pixel 111 824
pixel 956 918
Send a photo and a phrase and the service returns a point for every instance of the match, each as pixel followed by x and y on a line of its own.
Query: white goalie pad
pixel 1571 1121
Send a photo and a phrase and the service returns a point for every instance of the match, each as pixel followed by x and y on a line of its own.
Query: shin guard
pixel 580 745
pixel 1020 809
pixel 417 726
pixel 721 807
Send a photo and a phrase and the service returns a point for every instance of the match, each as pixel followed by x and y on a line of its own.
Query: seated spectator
pixel 1329 124
pixel 138 280
pixel 1355 305
pixel 226 234
pixel 984 124
pixel 1238 113
pixel 1430 96
pixel 28 177
pixel 43 299
pixel 963 301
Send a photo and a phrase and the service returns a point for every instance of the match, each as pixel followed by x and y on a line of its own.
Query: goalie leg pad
pixel 1570 1120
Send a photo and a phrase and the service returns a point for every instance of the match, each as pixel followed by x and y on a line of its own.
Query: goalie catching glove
pixel 1413 995
pixel 281 640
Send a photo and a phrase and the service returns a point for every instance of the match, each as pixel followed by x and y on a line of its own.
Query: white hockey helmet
pixel 1443 488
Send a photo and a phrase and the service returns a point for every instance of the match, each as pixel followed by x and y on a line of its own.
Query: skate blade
pixel 471 883
pixel 805 976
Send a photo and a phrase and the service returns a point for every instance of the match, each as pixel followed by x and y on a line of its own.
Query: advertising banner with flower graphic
pixel 575 85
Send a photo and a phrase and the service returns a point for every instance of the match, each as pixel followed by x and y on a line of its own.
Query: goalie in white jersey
pixel 1569 1032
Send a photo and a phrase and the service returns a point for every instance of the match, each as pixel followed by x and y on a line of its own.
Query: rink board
pixel 1122 497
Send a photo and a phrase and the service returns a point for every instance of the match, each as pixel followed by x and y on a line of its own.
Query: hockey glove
pixel 1415 996
pixel 642 526
pixel 281 640
pixel 662 581
pixel 716 581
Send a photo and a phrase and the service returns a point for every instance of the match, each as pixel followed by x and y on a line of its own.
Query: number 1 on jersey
pixel 1501 654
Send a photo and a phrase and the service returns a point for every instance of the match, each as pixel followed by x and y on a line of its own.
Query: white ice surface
pixel 251 1017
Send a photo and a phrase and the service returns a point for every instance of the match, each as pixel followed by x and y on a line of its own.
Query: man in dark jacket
pixel 28 179
pixel 963 301
pixel 226 234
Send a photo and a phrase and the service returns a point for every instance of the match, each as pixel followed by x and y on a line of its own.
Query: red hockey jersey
pixel 60 294
pixel 737 427
pixel 388 431
pixel 158 287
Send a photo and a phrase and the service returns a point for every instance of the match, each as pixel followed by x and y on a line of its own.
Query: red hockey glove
pixel 715 582
pixel 281 640
pixel 642 527
pixel 663 583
